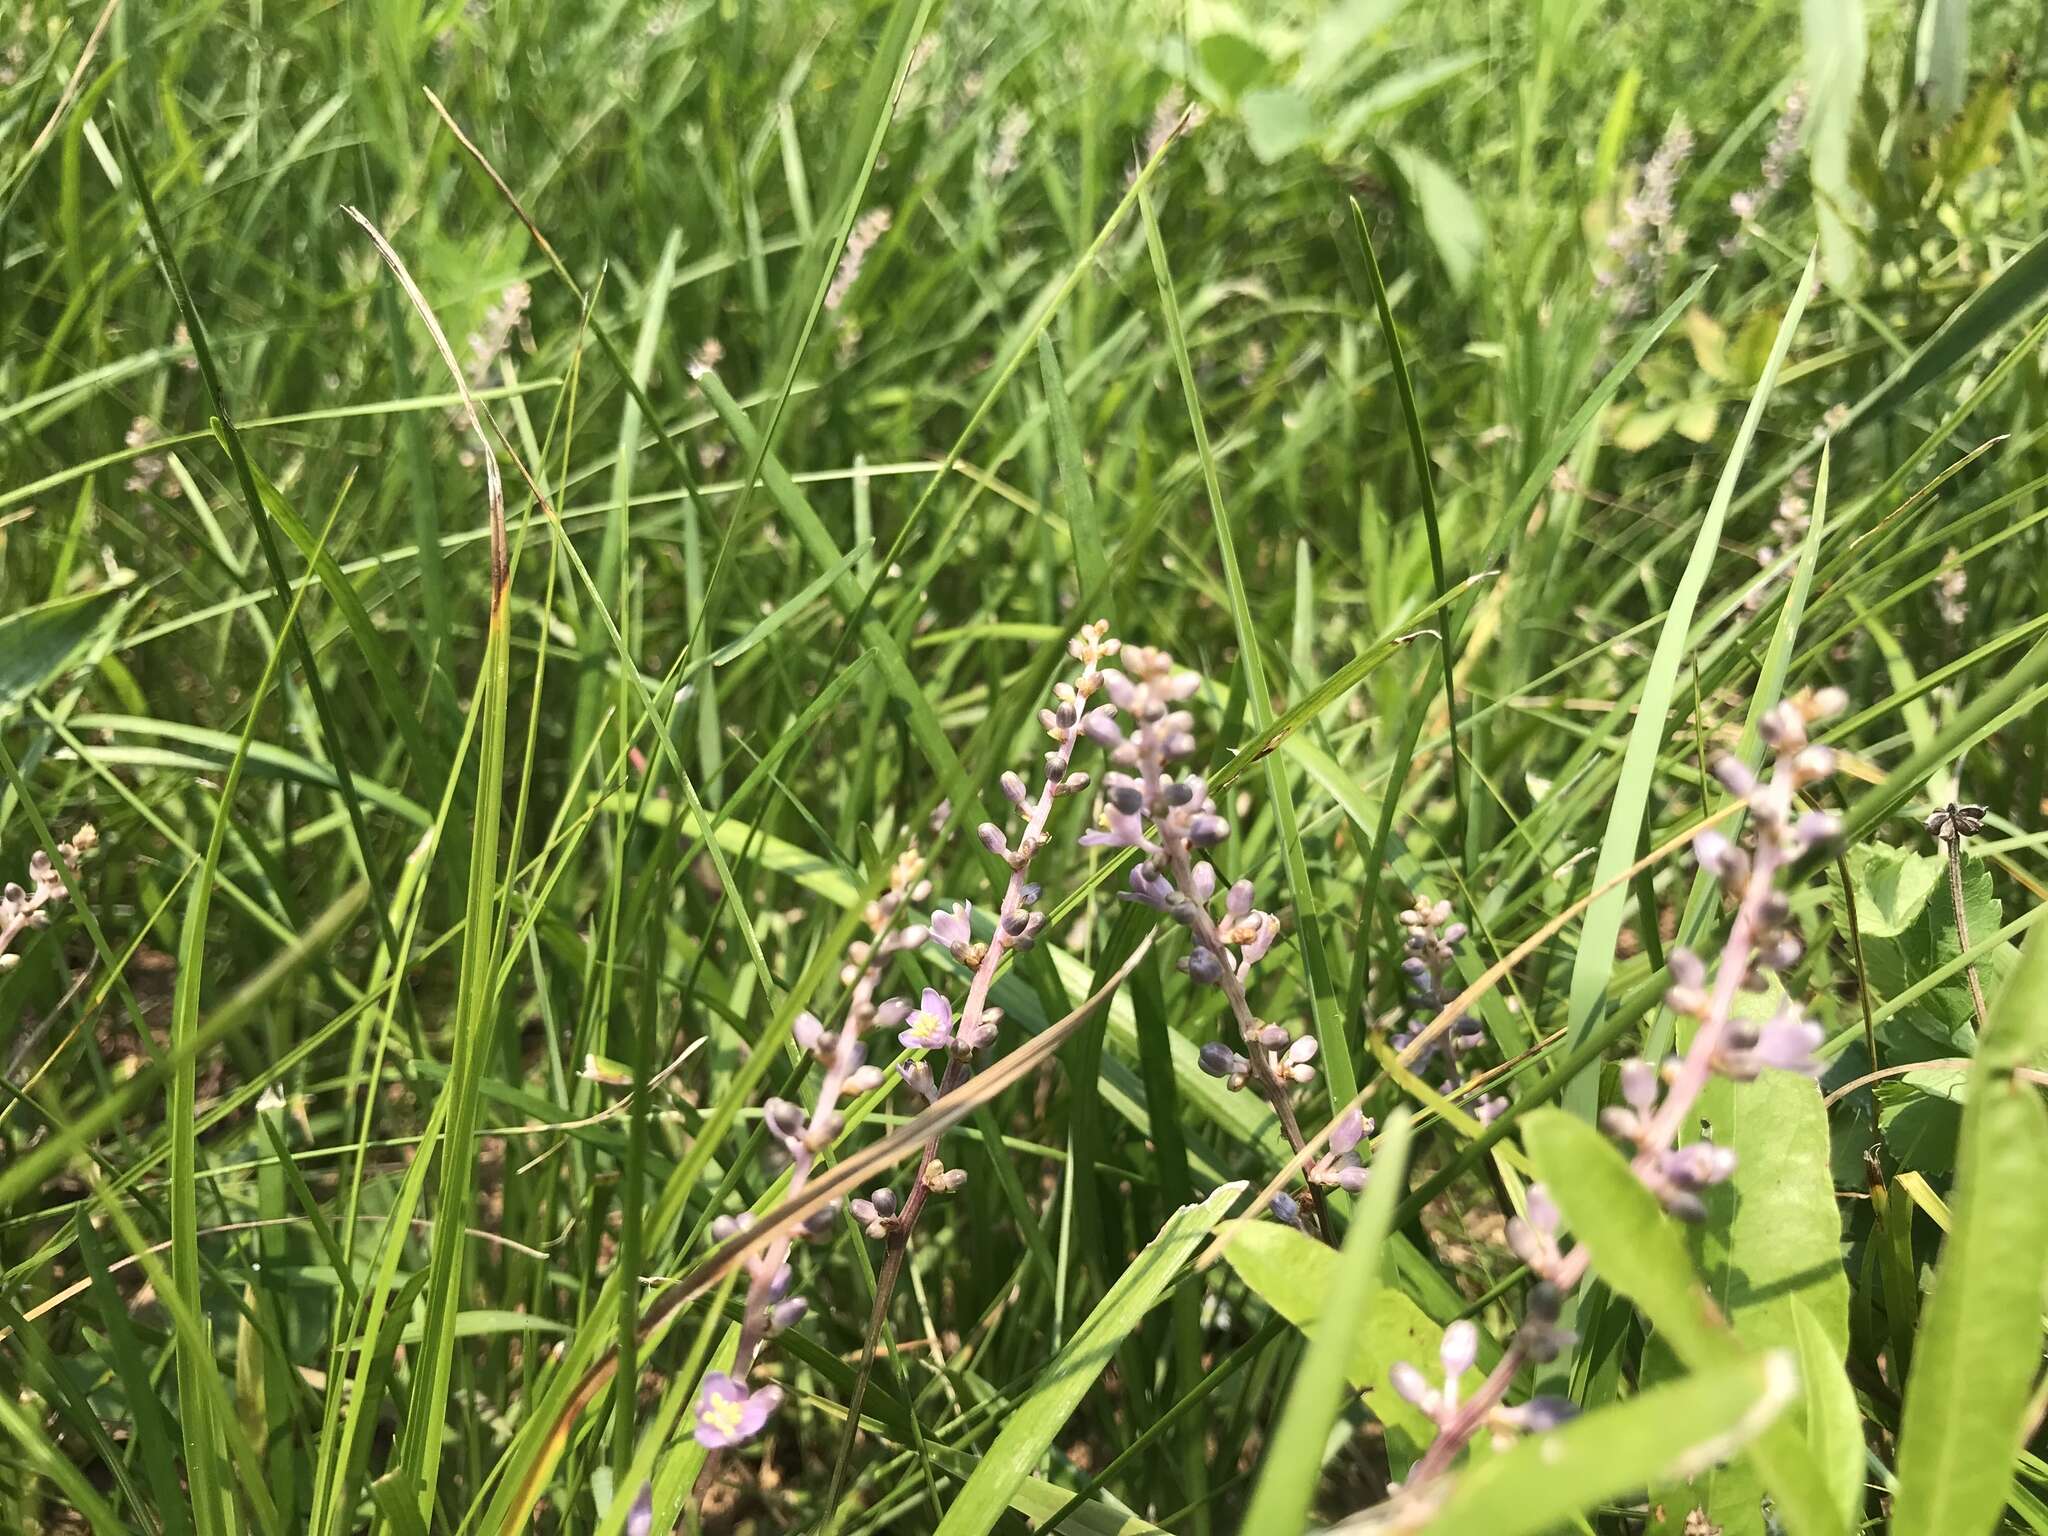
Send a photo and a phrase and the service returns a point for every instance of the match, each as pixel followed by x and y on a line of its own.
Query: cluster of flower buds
pixel 1763 939
pixel 727 1412
pixel 1430 943
pixel 934 1024
pixel 1648 235
pixel 1532 1238
pixel 1170 820
pixel 21 910
pixel 876 1213
pixel 1457 1420
pixel 1678 1176
pixel 1341 1167
pixel 1779 155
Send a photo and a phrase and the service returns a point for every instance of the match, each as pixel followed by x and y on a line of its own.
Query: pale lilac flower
pixel 1785 1044
pixel 872 226
pixel 930 1028
pixel 955 928
pixel 727 1414
pixel 1297 1061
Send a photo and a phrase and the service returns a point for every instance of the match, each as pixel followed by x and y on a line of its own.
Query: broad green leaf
pixel 1770 1250
pixel 1833 1421
pixel 1452 219
pixel 1277 122
pixel 1941 1021
pixel 1920 1115
pixel 41 643
pixel 1235 63
pixel 1835 51
pixel 1638 1250
pixel 1059 1388
pixel 1980 1336
pixel 1294 1274
pixel 1287 1481
pixel 1892 885
pixel 1545 1480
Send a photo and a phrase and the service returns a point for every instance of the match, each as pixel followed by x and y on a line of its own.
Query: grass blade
pixel 1980 1338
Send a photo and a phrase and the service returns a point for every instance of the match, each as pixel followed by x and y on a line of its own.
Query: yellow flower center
pixel 723 1414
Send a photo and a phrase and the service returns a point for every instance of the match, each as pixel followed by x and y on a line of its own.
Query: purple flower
pixel 1099 726
pixel 1785 1044
pixel 1259 930
pixel 930 1028
pixel 1149 886
pixel 727 1414
pixel 955 927
pixel 640 1518
pixel 1120 829
pixel 811 1035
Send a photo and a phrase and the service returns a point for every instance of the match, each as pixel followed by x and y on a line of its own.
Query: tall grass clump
pixel 938 768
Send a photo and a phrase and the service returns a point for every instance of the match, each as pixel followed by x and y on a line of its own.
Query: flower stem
pixel 1955 897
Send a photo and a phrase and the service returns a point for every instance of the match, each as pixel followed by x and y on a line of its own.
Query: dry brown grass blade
pixel 1449 1014
pixel 504 188
pixel 71 86
pixel 501 560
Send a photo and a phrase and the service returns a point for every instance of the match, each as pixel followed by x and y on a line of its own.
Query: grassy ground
pixel 444 935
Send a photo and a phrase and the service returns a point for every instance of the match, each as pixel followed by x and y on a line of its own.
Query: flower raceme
pixel 1657 1101
pixel 728 1412
pixel 1761 941
pixel 1174 823
pixel 22 910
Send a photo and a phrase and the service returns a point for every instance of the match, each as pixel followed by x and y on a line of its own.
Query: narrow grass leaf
pixel 1293 1465
pixel 1039 1415
pixel 1980 1337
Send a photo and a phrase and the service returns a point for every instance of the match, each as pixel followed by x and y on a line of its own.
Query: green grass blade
pixel 1031 1425
pixel 1974 1360
pixel 1594 963
pixel 1293 1466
